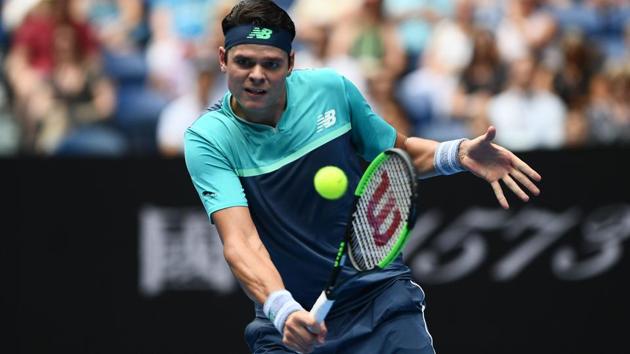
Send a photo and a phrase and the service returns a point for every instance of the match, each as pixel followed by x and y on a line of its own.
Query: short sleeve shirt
pixel 233 162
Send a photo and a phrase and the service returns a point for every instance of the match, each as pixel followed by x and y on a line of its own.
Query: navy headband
pixel 250 34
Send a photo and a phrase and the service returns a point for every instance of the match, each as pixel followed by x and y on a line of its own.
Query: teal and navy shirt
pixel 233 162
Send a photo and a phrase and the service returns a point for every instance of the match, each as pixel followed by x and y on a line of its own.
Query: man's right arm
pixel 245 253
pixel 252 266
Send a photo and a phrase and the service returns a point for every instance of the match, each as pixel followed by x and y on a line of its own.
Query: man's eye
pixel 273 65
pixel 244 62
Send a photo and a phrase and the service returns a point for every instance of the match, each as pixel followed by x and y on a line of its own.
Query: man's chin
pixel 254 106
pixel 249 108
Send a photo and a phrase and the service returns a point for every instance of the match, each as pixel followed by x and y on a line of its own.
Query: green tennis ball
pixel 331 182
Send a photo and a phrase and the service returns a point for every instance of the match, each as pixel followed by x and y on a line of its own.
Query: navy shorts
pixel 393 323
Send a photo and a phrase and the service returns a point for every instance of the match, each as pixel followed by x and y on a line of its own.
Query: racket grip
pixel 322 307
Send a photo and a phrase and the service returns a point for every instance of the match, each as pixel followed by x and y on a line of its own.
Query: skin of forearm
pixel 251 265
pixel 421 152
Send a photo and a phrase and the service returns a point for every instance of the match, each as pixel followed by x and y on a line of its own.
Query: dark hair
pixel 263 13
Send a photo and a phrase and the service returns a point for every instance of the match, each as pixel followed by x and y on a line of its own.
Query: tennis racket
pixel 382 216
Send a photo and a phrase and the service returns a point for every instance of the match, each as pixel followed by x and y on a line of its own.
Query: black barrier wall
pixel 116 256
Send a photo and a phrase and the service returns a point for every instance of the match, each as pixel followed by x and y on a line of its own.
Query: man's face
pixel 256 76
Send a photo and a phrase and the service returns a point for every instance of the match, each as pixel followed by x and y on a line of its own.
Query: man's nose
pixel 257 74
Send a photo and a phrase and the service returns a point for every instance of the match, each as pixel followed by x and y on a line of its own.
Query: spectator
pixel 451 43
pixel 483 78
pixel 32 43
pixel 313 53
pixel 414 21
pixel 528 115
pixel 21 74
pixel 608 111
pixel 578 62
pixel 4 42
pixel 427 97
pixel 124 29
pixel 32 60
pixel 189 21
pixel 486 73
pixel 179 114
pixel 214 37
pixel 429 94
pixel 526 28
pixel 371 39
pixel 71 111
pixel 602 21
pixel 326 13
pixel 384 102
pixel 9 132
pixel 488 13
pixel 169 66
pixel 119 24
pixel 576 127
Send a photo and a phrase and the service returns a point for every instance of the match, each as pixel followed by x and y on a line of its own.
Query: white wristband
pixel 278 306
pixel 446 159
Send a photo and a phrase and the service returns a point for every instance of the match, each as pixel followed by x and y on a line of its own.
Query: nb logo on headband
pixel 260 33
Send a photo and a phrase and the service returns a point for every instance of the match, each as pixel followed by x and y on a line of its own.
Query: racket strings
pixel 381 214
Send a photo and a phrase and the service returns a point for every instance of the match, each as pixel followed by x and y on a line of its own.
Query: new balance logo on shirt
pixel 326 120
pixel 260 33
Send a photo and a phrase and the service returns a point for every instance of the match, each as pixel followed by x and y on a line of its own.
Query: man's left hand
pixel 494 163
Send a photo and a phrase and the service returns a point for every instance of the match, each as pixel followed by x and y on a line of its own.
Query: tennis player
pixel 252 158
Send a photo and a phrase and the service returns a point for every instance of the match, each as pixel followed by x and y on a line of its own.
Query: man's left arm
pixel 480 156
pixel 487 160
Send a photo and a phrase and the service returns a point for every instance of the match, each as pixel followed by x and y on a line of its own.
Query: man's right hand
pixel 302 332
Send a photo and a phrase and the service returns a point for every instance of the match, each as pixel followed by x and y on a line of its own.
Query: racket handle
pixel 322 307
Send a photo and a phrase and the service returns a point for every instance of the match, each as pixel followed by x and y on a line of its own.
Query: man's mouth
pixel 255 91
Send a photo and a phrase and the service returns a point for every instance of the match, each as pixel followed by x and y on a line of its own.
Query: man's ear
pixel 222 59
pixel 291 61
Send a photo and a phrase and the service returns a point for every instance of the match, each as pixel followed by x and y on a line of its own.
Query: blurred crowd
pixel 127 77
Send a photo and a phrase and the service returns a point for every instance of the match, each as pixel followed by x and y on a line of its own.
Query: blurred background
pixel 107 248
pixel 120 78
